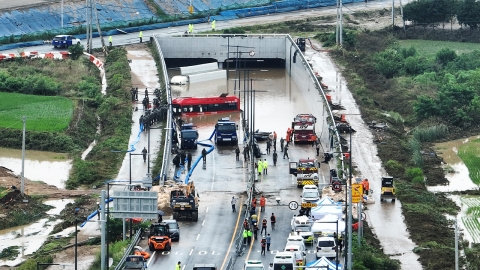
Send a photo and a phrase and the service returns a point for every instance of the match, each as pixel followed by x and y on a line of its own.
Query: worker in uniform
pixel 144 154
pixel 282 141
pixel 264 244
pixel 273 220
pixel 260 167
pixel 249 236
pixel 275 157
pixel 237 153
pixel 140 35
pixel 265 166
pixel 110 39
pixel 366 186
pixel 245 224
pixel 204 156
pixel 314 139
pixel 269 239
pixel 317 147
pixel 255 231
pixel 264 225
pixel 178 266
pixel 254 203
pixel 245 236
pixel 214 24
pixel 269 144
pixel 263 201
pixel 234 201
pixel 285 152
pixel 189 157
pixel 254 219
pixel 288 136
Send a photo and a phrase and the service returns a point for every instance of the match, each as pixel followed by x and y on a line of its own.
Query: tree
pixel 469 13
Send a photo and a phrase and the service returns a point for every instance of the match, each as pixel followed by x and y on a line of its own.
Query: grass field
pixel 43 113
pixel 469 154
pixel 429 48
pixel 471 220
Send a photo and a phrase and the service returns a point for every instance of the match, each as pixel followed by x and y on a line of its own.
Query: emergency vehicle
pixel 303 126
pixel 284 261
pixel 306 171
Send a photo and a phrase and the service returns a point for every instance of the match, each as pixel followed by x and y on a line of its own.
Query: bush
pixel 76 51
pixel 394 167
pixel 413 173
pixel 446 55
pixel 31 264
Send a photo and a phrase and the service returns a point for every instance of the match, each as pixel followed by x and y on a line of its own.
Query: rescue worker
pixel 204 156
pixel 140 35
pixel 245 236
pixel 254 219
pixel 214 24
pixel 263 201
pixel 254 203
pixel 110 39
pixel 282 141
pixel 98 210
pixel 178 266
pixel 245 224
pixel 288 136
pixel 275 157
pixel 264 244
pixel 274 136
pixel 237 153
pixel 273 220
pixel 255 231
pixel 144 154
pixel 269 239
pixel 245 153
pixel 265 166
pixel 318 149
pixel 269 144
pixel 314 139
pixel 264 226
pixel 189 157
pixel 249 236
pixel 366 186
pixel 260 167
pixel 285 152
pixel 233 202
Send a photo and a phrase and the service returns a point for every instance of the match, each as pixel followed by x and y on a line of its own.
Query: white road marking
pixel 151 258
pixel 191 251
pixel 198 235
pixel 207 209
pixel 183 268
pixel 203 223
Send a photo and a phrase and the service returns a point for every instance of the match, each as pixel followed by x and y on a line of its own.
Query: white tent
pixel 328 224
pixel 323 262
pixel 326 206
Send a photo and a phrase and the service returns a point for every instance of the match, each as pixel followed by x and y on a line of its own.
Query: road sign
pixel 309 205
pixel 337 186
pixel 357 193
pixel 293 205
pixel 135 204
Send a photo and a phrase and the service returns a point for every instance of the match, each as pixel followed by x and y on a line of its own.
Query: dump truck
pixel 184 203
pixel 306 171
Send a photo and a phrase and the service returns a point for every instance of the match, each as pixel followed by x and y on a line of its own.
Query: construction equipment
pixel 306 171
pixel 184 202
pixel 388 189
pixel 159 237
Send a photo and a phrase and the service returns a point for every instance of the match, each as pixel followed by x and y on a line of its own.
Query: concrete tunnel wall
pixel 216 47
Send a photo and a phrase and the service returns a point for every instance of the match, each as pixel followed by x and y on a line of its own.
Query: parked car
pixel 64 41
pixel 326 247
pixel 174 229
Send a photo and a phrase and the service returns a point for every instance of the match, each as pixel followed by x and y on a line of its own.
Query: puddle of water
pixel 31 237
pixel 51 168
pixel 458 174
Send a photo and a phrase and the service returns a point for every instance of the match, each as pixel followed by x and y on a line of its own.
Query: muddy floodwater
pixel 30 238
pixel 49 167
pixel 456 171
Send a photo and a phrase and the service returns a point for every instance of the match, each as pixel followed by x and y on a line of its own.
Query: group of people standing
pixel 250 228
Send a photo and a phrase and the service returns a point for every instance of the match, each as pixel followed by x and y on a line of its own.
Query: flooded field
pixel 31 237
pixel 49 167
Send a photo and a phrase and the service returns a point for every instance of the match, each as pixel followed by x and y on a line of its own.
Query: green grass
pixel 429 48
pixel 43 113
pixel 469 154
pixel 471 220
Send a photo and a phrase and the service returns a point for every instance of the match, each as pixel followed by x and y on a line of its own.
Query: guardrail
pixel 330 120
pixel 168 132
pixel 128 251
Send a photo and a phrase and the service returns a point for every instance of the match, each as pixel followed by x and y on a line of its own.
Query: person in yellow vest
pixel 140 35
pixel 178 266
pixel 265 166
pixel 260 167
pixel 214 25
pixel 110 39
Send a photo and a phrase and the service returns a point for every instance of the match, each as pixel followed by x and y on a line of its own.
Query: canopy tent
pixel 323 262
pixel 328 224
pixel 326 206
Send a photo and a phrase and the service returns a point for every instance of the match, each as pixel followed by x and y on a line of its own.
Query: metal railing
pixel 168 130
pixel 128 251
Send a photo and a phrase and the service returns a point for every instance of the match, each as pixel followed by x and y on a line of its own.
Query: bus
pixel 205 105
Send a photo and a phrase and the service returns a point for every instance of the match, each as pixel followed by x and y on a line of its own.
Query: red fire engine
pixel 303 126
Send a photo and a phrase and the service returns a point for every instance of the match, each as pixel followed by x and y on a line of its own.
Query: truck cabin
pixel 159 229
pixel 134 262
pixel 179 195
pixel 305 119
pixel 308 164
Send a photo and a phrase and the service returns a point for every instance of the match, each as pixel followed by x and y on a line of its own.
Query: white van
pixel 284 261
pixel 298 251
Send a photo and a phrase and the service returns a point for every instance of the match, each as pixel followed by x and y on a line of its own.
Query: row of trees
pixel 467 12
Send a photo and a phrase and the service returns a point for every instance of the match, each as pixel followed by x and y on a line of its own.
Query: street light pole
pixel 350 210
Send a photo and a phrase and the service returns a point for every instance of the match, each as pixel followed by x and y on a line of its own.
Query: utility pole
pixel 22 188
pixel 104 48
pixel 62 15
pixel 341 26
pixel 88 24
pixel 393 13
pixel 456 245
pixel 103 257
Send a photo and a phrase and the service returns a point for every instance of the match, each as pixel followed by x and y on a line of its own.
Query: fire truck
pixel 306 171
pixel 303 126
